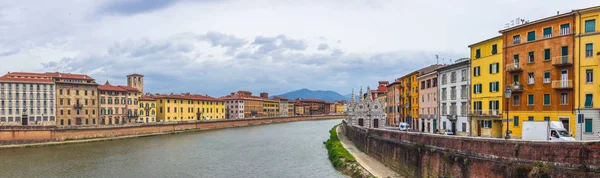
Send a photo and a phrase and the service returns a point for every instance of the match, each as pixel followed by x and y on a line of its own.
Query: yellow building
pixel 147 109
pixel 339 108
pixel 187 107
pixel 270 108
pixel 587 69
pixel 487 88
pixel 409 99
pixel 291 109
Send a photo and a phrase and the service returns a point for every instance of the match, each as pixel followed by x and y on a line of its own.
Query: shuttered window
pixel 548 32
pixel 588 100
pixel 546 99
pixel 588 125
pixel 590 25
pixel 531 36
pixel 546 54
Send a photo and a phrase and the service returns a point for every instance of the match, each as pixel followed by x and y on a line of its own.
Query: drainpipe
pixel 578 77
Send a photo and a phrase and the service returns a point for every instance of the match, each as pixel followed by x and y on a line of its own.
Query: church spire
pixel 352 99
pixel 360 97
pixel 369 97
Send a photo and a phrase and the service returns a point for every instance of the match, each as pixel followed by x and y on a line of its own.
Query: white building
pixel 283 105
pixel 454 96
pixel 367 113
pixel 234 107
pixel 27 101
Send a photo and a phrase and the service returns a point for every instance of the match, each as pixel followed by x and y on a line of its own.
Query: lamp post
pixel 507 93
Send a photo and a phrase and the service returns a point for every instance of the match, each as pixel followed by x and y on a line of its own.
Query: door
pixel 564 54
pixel 454 127
pixel 479 128
pixel 564 76
pixel 78 121
pixel 24 120
pixel 435 125
pixel 516 79
pixel 565 122
pixel 375 123
pixel 516 63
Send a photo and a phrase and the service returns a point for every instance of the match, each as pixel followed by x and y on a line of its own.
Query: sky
pixel 216 47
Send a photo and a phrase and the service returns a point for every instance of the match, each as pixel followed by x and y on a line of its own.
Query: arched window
pixel 375 123
pixel 361 122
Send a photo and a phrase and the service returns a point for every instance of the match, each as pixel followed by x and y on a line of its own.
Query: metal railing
pixel 562 84
pixel 515 67
pixel 562 60
pixel 488 113
pixel 516 87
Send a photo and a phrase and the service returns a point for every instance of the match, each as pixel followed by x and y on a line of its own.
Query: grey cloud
pixel 278 43
pixel 10 52
pixel 323 46
pixel 230 42
pixel 132 7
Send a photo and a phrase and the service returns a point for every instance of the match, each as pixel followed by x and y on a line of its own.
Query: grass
pixel 338 155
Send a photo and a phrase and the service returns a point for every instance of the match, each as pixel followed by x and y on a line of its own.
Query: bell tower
pixel 136 81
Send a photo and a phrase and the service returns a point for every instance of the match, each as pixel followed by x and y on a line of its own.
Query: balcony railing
pixel 565 31
pixel 562 60
pixel 78 106
pixel 485 113
pixel 514 67
pixel 562 84
pixel 516 88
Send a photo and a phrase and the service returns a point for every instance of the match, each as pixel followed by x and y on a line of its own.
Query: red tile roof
pixel 186 96
pixel 128 88
pixel 38 80
pixel 147 97
pixel 110 88
pixel 137 75
pixel 68 76
pixel 238 97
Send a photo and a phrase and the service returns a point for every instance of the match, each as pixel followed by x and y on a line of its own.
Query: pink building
pixel 428 102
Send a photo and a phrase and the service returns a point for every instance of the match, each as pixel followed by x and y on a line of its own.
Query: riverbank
pixel 16 138
pixel 341 159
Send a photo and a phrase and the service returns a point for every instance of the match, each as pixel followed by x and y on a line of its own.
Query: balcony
pixel 424 116
pixel 516 88
pixel 514 68
pixel 485 113
pixel 78 106
pixel 562 61
pixel 562 84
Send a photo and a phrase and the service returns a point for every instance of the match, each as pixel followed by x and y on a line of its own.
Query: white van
pixel 403 126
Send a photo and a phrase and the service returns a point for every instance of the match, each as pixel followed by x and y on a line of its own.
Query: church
pixel 365 112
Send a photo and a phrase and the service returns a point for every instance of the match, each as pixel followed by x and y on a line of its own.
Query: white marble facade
pixel 365 112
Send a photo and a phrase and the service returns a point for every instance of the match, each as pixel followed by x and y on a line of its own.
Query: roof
pixel 147 97
pixel 487 40
pixel 587 9
pixel 464 62
pixel 186 96
pixel 110 88
pixel 68 76
pixel 128 88
pixel 135 75
pixel 279 98
pixel 526 24
pixel 32 80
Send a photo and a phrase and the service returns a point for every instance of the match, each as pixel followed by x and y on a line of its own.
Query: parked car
pixel 403 126
pixel 448 132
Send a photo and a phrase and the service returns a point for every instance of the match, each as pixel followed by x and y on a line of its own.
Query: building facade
pixel 234 107
pixel 366 112
pixel 76 99
pixel 454 92
pixel 270 108
pixel 428 105
pixel 540 72
pixel 188 107
pixel 147 109
pixel 487 93
pixel 283 105
pixel 27 100
pixel 394 104
pixel 113 102
pixel 587 69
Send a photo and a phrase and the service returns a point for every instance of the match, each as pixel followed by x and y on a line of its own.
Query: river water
pixel 277 150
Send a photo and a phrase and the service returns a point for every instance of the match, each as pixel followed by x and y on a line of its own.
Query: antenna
pixel 437 58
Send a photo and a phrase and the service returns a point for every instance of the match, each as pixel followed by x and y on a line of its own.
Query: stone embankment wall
pixel 31 134
pixel 429 155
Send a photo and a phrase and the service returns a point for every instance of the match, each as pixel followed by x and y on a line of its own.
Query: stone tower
pixel 136 81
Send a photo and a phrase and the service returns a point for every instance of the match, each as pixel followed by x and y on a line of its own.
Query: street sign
pixel 579 118
pixel 510 120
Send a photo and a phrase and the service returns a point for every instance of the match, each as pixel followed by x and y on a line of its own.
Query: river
pixel 292 149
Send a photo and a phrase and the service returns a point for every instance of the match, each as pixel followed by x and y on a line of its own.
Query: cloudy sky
pixel 215 47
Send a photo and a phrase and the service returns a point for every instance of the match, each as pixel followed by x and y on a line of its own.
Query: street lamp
pixel 507 93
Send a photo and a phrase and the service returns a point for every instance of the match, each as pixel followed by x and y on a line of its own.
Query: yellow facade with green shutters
pixel 147 110
pixel 587 70
pixel 185 108
pixel 519 117
pixel 271 108
pixel 485 111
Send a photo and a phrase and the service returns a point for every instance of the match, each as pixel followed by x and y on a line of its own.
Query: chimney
pixel 264 95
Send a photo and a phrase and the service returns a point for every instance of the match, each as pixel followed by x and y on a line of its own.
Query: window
pixel 589 100
pixel 531 36
pixel 546 99
pixel 453 93
pixel 476 71
pixel 516 100
pixel 464 127
pixel 444 95
pixel 477 53
pixel 565 29
pixel 530 118
pixel 444 79
pixel 589 76
pixel 463 75
pixel 589 50
pixel 546 54
pixel 530 100
pixel 531 57
pixel 477 88
pixel 588 125
pixel 494 86
pixel 564 100
pixel 546 118
pixel 531 80
pixel 463 92
pixel 590 25
pixel 516 121
pixel 546 76
pixel 494 49
pixel 453 77
pixel 548 32
pixel 494 68
pixel 486 124
pixel 516 39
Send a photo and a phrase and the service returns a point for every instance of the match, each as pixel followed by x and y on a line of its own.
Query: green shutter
pixel 490 87
pixel 516 121
pixel 531 36
pixel 546 118
pixel 590 26
pixel 491 68
pixel 564 51
pixel 589 47
pixel 546 74
pixel 497 67
pixel 588 125
pixel 588 100
pixel 530 99
pixel 530 118
pixel 548 31
pixel 546 54
pixel 546 99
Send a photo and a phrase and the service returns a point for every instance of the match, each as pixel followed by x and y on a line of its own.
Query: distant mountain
pixel 315 94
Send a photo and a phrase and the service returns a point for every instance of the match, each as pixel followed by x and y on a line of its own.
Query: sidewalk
pixel 375 167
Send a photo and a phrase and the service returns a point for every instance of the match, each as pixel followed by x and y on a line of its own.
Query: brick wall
pixel 29 134
pixel 429 155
